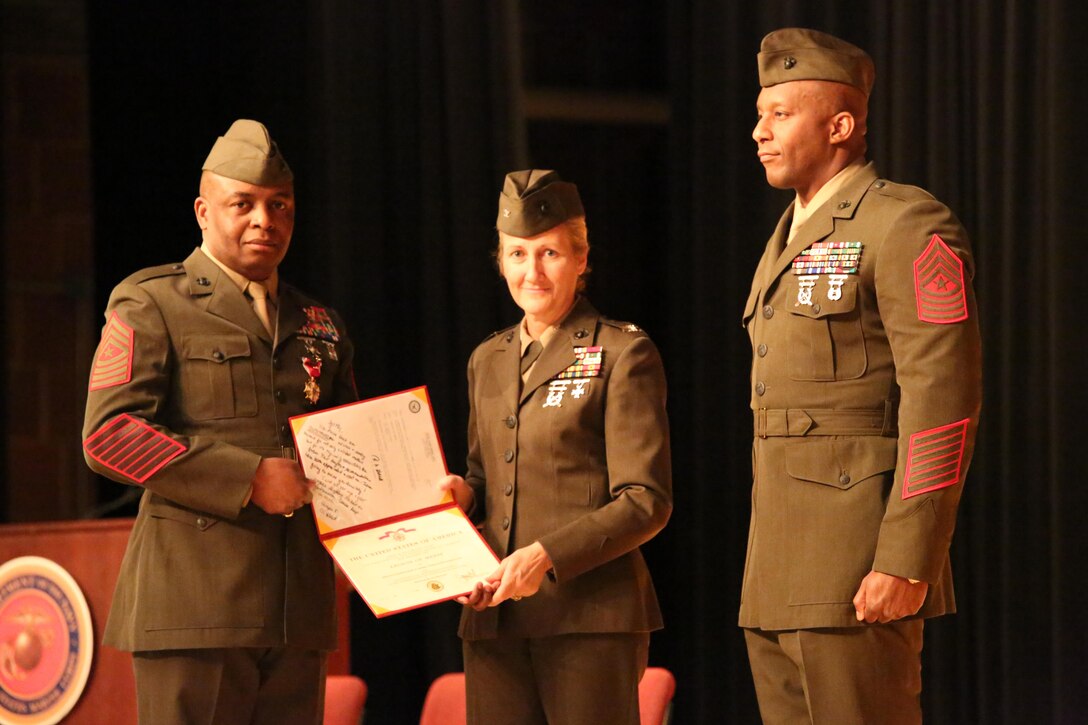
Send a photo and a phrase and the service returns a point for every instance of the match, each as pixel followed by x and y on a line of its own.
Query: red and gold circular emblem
pixel 46 642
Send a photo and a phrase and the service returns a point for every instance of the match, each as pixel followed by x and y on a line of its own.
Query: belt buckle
pixel 761 422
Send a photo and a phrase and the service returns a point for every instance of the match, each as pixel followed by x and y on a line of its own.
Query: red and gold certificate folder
pixel 401 542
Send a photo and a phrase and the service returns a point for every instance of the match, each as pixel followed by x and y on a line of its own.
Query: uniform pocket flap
pixel 215 348
pixel 840 463
pixel 165 510
pixel 819 295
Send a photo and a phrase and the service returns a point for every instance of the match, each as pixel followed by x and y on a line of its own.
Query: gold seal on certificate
pixel 402 543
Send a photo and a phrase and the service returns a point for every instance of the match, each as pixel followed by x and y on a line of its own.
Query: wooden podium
pixel 91 551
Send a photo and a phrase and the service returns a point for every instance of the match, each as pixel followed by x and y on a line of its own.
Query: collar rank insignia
pixel 828 258
pixel 587 363
pixel 319 325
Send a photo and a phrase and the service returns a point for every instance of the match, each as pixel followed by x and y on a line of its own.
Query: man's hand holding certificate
pixel 400 541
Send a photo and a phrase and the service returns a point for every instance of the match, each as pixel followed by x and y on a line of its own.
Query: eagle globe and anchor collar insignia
pixel 46 642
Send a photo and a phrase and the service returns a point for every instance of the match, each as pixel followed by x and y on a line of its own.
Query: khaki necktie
pixel 259 294
pixel 532 352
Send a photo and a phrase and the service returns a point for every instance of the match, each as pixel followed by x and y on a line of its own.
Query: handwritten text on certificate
pixel 371 460
pixel 400 541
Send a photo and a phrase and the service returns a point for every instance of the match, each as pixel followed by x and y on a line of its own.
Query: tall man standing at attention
pixel 225 597
pixel 866 388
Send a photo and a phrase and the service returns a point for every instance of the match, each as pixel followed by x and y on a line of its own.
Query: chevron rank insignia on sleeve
pixel 113 361
pixel 131 447
pixel 939 287
pixel 935 458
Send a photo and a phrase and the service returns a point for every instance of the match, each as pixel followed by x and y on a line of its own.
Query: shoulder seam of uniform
pixel 162 270
pixel 903 192
pixel 499 332
pixel 622 325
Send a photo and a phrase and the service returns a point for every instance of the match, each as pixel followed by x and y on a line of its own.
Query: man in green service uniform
pixel 225 596
pixel 866 388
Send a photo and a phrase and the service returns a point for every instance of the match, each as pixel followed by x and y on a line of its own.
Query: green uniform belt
pixel 279 452
pixel 797 422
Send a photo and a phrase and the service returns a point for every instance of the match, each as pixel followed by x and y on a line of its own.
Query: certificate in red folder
pixel 402 543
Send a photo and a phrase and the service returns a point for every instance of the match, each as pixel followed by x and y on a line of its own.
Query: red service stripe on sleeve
pixel 131 447
pixel 939 286
pixel 935 458
pixel 113 363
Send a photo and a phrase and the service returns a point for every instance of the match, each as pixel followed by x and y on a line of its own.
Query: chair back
pixel 345 697
pixel 445 702
pixel 655 693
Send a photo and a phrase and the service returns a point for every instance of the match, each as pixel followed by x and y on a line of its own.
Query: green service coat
pixel 587 474
pixel 188 393
pixel 865 400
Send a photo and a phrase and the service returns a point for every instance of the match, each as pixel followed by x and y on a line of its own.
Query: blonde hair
pixel 577 234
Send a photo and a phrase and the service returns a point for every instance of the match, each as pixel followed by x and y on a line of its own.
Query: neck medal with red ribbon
pixel 311 363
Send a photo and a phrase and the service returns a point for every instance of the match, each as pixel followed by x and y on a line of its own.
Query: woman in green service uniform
pixel 568 473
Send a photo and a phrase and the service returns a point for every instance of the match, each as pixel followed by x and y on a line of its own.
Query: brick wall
pixel 50 328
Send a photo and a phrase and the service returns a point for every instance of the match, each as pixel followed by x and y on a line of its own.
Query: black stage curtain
pixel 976 101
pixel 399 120
pixel 413 111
